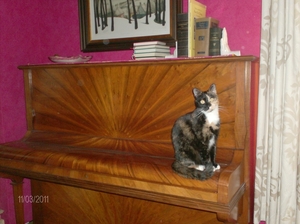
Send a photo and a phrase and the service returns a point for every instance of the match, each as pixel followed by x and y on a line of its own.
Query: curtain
pixel 277 178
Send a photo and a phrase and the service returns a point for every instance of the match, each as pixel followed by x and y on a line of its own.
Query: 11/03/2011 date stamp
pixel 39 199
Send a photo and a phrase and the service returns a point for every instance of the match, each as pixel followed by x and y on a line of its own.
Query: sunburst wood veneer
pixel 103 130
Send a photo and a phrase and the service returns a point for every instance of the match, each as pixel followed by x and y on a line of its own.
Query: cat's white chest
pixel 213 117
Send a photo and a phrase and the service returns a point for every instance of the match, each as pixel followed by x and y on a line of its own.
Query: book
pixel 183 43
pixel 149 43
pixel 182 35
pixel 153 54
pixel 151 47
pixel 214 41
pixel 202 34
pixel 151 58
pixel 151 50
pixel 182 17
pixel 182 52
pixel 195 10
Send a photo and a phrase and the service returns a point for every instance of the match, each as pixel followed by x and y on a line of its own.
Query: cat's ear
pixel 213 88
pixel 196 92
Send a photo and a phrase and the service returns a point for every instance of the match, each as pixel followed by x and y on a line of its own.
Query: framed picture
pixel 116 24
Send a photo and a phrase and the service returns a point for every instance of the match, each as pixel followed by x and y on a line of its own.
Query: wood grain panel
pixel 127 102
pixel 86 206
pixel 110 162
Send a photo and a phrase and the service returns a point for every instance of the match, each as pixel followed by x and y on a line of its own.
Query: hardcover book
pixel 150 58
pixel 214 41
pixel 151 50
pixel 202 35
pixel 182 52
pixel 151 47
pixel 195 10
pixel 182 18
pixel 149 43
pixel 182 35
pixel 153 54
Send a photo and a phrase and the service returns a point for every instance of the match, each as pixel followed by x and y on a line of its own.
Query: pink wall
pixel 18 46
pixel 33 30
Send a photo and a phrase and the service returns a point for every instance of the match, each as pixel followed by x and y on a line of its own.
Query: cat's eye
pixel 202 102
pixel 209 99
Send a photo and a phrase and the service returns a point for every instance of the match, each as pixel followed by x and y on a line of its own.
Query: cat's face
pixel 206 101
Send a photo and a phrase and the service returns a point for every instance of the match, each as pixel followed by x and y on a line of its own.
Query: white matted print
pixel 116 24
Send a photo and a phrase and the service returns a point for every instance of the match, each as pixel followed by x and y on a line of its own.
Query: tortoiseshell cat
pixel 195 135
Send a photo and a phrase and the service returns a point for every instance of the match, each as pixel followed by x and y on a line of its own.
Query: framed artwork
pixel 116 24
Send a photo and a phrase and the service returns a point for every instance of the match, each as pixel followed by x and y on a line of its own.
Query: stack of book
pixel 199 35
pixel 150 50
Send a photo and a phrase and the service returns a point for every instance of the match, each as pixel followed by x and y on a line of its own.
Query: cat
pixel 194 137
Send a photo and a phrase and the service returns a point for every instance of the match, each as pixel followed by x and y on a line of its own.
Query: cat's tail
pixel 193 173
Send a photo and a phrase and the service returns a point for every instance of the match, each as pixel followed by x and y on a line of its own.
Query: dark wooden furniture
pixel 98 146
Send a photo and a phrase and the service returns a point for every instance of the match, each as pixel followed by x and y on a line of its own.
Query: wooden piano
pixel 98 146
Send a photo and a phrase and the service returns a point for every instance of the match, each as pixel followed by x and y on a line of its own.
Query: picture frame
pixel 138 21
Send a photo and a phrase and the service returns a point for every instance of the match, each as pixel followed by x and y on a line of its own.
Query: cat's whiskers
pixel 223 110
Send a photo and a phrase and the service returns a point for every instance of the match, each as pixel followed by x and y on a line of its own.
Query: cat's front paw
pixel 197 167
pixel 200 167
pixel 217 167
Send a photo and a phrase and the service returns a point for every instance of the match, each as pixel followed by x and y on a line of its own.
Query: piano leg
pixel 17 183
